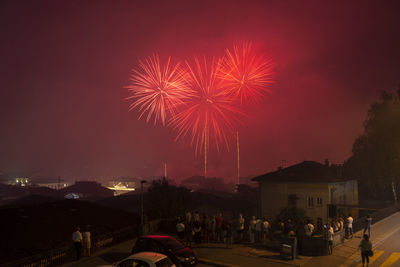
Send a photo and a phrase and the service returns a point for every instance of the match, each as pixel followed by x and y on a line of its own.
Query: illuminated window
pixel 319 201
pixel 310 202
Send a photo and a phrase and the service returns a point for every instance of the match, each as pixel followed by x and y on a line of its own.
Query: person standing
pixel 287 227
pixel 259 224
pixel 188 217
pixel 265 228
pixel 180 229
pixel 309 229
pixel 330 239
pixel 350 226
pixel 213 228
pixel 188 233
pixel 228 238
pixel 218 225
pixel 368 222
pixel 240 227
pixel 206 229
pixel 86 241
pixel 366 249
pixel 252 229
pixel 196 216
pixel 197 232
pixel 77 239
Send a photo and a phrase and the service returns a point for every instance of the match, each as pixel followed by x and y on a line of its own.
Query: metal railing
pixel 376 217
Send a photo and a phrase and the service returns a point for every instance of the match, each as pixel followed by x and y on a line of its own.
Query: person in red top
pixel 218 226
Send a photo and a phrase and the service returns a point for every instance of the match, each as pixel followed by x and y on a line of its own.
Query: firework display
pixel 210 114
pixel 246 73
pixel 203 99
pixel 157 90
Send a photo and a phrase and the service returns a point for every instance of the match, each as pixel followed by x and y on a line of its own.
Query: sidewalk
pixel 217 254
pixel 105 256
pixel 347 254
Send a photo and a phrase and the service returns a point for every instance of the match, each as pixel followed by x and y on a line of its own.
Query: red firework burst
pixel 157 90
pixel 209 113
pixel 246 73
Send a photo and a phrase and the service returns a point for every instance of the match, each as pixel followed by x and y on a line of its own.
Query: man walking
pixel 77 238
pixel 368 222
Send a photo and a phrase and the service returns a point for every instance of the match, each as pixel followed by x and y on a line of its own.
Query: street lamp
pixel 141 206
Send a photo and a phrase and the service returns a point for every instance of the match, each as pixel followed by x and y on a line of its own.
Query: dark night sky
pixel 64 65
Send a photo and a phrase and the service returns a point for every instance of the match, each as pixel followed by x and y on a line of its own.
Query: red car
pixel 175 250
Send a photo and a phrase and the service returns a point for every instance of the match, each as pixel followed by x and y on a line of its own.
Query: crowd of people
pixel 198 228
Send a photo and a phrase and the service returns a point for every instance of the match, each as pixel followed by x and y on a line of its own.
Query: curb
pixel 215 263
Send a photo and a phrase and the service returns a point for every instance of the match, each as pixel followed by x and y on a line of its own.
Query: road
pixel 387 253
pixel 387 246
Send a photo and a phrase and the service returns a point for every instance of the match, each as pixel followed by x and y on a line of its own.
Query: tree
pixel 166 201
pixel 375 160
pixel 291 211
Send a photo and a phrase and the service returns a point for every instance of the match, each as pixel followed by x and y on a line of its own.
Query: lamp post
pixel 141 206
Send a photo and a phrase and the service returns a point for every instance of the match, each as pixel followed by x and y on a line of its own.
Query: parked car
pixel 178 253
pixel 144 259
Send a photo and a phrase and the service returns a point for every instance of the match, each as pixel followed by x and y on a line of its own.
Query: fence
pixel 376 216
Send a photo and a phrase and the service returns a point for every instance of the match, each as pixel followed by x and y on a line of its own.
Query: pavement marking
pixel 391 260
pixel 386 237
pixel 377 254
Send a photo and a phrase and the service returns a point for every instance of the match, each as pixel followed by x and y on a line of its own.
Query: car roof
pixel 147 255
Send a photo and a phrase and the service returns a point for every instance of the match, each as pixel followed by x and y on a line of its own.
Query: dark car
pixel 178 253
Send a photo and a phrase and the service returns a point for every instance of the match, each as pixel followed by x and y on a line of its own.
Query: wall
pixel 274 196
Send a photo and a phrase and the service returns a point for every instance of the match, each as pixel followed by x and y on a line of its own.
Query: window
pixel 319 201
pixel 310 202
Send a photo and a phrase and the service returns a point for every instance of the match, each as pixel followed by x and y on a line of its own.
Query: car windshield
pixel 170 243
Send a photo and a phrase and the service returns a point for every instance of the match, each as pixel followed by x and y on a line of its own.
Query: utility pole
pixel 394 193
pixel 141 206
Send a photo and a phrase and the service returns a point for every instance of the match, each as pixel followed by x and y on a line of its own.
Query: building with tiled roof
pixel 319 189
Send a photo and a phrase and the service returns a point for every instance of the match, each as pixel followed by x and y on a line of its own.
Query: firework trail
pixel 157 90
pixel 246 73
pixel 210 114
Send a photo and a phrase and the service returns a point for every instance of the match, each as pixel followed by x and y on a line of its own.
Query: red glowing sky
pixel 64 65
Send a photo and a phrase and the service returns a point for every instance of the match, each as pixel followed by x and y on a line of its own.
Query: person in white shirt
pixel 77 239
pixel 240 228
pixel 252 229
pixel 350 226
pixel 180 229
pixel 309 229
pixel 259 225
